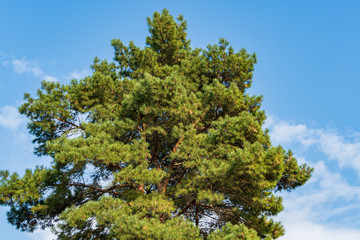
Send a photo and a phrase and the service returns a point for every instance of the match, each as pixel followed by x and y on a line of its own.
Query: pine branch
pixel 99 189
pixel 65 121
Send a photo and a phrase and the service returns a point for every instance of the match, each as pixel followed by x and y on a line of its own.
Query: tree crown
pixel 162 143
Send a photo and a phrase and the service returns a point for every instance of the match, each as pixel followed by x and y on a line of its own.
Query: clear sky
pixel 308 72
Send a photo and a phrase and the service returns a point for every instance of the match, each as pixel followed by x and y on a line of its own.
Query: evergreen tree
pixel 162 143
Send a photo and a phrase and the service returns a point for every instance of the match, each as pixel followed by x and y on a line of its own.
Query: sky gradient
pixel 308 72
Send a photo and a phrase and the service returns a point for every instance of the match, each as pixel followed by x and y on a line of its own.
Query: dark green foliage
pixel 163 143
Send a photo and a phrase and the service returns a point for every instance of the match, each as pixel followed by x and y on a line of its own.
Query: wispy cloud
pixel 312 231
pixel 79 74
pixel 329 203
pixel 32 68
pixel 42 235
pixel 25 66
pixel 323 195
pixel 50 78
pixel 345 152
pixel 10 117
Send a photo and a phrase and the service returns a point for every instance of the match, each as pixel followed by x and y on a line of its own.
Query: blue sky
pixel 308 72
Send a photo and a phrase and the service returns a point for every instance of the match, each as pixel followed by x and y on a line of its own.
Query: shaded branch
pixel 186 208
pixel 109 190
pixel 65 121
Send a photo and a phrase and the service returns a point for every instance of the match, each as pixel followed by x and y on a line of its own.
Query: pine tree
pixel 162 143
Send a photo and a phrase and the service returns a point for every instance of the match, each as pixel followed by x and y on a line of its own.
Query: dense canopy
pixel 162 143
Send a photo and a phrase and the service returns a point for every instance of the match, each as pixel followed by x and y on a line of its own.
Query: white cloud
pixel 285 133
pixel 80 75
pixel 333 145
pixel 50 78
pixel 325 187
pixel 312 231
pixel 42 235
pixel 305 212
pixel 10 117
pixel 24 66
pixel 337 148
pixel 330 200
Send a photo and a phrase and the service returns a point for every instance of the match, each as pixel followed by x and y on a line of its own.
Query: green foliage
pixel 162 143
pixel 239 231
